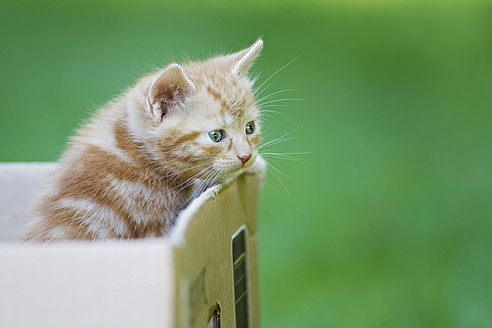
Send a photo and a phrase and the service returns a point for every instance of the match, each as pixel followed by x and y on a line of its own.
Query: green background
pixel 387 221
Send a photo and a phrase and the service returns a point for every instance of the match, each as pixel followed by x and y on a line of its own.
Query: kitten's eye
pixel 216 135
pixel 250 127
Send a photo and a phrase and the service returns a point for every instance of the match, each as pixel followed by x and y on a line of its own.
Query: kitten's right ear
pixel 169 87
pixel 243 59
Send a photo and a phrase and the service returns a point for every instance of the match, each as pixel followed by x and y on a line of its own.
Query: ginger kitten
pixel 145 155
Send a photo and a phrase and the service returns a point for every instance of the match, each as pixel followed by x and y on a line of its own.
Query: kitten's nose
pixel 244 158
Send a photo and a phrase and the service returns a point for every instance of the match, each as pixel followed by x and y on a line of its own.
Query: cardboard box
pixel 204 273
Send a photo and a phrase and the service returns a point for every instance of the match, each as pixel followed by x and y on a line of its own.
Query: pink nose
pixel 244 158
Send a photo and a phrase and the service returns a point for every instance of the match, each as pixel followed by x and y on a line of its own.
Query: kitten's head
pixel 200 119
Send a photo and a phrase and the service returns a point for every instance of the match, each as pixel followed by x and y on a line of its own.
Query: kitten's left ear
pixel 169 87
pixel 246 57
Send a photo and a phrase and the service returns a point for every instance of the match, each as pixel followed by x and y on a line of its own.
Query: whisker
pixel 281 138
pixel 178 174
pixel 275 112
pixel 259 88
pixel 206 180
pixel 266 88
pixel 275 173
pixel 192 179
pixel 286 156
pixel 297 153
pixel 278 100
pixel 277 105
pixel 280 172
pixel 267 117
pixel 273 94
pixel 274 142
pixel 199 188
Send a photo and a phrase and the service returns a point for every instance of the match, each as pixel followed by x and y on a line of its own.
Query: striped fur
pixel 144 156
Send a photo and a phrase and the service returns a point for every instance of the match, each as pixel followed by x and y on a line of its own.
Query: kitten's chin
pixel 233 174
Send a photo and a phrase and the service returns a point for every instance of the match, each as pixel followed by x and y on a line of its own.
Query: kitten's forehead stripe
pixel 238 113
pixel 232 97
pixel 217 96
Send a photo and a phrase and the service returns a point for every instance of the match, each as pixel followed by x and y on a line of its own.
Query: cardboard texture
pixel 207 265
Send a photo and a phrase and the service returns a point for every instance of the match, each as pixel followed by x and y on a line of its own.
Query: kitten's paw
pixel 215 191
pixel 258 168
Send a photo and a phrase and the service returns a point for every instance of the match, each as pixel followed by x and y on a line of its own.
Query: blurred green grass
pixel 387 220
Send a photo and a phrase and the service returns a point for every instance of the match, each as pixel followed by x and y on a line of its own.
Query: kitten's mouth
pixel 250 162
pixel 233 172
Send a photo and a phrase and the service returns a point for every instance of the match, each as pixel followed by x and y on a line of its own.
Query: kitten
pixel 145 155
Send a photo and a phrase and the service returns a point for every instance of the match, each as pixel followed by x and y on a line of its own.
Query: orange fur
pixel 144 156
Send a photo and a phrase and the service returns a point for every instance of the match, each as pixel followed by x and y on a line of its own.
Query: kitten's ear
pixel 246 57
pixel 169 87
